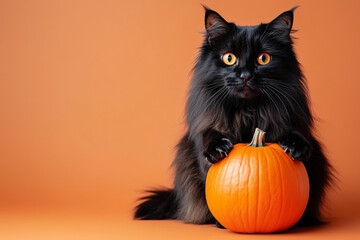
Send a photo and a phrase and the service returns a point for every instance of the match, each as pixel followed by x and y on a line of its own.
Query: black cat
pixel 244 77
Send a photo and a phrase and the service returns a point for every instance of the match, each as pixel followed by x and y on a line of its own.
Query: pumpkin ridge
pixel 239 192
pixel 247 194
pixel 258 192
pixel 290 167
pixel 297 187
pixel 302 188
pixel 222 187
pixel 282 188
pixel 268 181
pixel 231 183
pixel 251 189
pixel 219 174
pixel 248 224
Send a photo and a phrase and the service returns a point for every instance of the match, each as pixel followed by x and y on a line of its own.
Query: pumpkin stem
pixel 258 138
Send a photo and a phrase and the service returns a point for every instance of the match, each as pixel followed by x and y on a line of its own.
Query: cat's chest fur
pixel 240 125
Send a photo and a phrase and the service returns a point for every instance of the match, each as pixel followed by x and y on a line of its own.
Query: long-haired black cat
pixel 244 77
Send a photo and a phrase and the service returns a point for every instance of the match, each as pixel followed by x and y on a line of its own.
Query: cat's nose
pixel 245 76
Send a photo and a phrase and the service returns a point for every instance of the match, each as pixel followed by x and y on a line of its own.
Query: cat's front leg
pixel 216 146
pixel 296 145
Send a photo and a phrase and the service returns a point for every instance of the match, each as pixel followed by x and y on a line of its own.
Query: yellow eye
pixel 263 59
pixel 229 59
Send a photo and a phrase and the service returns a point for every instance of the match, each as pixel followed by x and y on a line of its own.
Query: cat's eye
pixel 263 59
pixel 229 59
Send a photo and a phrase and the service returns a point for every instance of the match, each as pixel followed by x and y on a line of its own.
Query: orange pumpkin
pixel 257 188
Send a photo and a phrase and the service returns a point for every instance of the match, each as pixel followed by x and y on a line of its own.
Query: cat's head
pixel 247 62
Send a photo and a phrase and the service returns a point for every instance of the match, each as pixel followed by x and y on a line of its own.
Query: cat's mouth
pixel 243 89
pixel 246 91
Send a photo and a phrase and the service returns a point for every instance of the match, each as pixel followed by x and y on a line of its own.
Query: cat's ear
pixel 216 26
pixel 281 26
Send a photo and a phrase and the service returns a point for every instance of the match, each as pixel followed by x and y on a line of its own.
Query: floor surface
pixel 53 226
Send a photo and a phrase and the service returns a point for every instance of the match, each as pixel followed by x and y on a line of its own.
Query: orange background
pixel 92 97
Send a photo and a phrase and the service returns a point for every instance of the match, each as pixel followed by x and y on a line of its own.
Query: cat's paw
pixel 218 149
pixel 296 146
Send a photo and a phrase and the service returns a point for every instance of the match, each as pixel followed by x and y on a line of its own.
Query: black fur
pixel 160 204
pixel 226 104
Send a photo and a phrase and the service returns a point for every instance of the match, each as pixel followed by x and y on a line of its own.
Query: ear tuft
pixel 216 26
pixel 281 26
pixel 283 22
